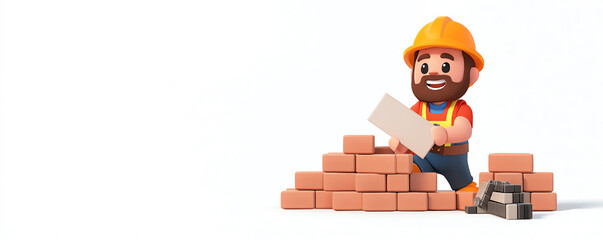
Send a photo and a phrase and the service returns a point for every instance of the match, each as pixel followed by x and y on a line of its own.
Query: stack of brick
pixel 517 168
pixel 501 199
pixel 369 178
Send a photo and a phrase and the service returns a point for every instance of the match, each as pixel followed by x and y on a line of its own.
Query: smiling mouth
pixel 435 84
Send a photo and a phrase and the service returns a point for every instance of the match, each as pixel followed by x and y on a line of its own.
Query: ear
pixel 473 75
pixel 412 75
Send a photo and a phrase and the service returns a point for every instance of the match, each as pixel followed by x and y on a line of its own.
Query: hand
pixel 397 147
pixel 439 135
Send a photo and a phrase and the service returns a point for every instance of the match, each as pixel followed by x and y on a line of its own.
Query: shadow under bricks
pixel 571 205
pixel 541 215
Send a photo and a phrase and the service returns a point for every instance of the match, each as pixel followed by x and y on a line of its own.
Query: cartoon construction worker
pixel 444 65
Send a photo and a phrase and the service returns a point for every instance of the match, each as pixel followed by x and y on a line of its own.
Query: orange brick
pixel 412 201
pixel 544 201
pixel 339 181
pixel 538 182
pixel 324 199
pixel 444 200
pixel 462 199
pixel 513 178
pixel 338 162
pixel 383 150
pixel 380 163
pixel 370 182
pixel 347 201
pixel 379 201
pixel 404 163
pixel 359 144
pixel 398 182
pixel 485 177
pixel 423 182
pixel 294 199
pixel 511 162
pixel 308 180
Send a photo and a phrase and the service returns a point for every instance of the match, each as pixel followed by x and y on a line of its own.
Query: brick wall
pixel 369 178
pixel 518 168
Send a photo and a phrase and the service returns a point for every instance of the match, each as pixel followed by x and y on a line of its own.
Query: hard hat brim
pixel 409 53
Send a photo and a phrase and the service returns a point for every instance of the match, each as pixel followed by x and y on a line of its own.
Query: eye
pixel 445 67
pixel 424 68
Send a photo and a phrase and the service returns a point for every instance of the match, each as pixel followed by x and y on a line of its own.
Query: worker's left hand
pixel 397 147
pixel 439 135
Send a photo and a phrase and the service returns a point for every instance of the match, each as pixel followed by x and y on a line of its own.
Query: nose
pixel 433 73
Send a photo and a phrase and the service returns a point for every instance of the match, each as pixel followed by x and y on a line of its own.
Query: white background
pixel 185 119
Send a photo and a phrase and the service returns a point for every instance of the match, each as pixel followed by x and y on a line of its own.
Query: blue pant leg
pixel 454 168
pixel 423 164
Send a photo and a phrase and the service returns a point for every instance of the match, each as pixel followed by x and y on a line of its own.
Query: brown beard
pixel 451 91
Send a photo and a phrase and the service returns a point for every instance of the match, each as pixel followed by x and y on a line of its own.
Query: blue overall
pixel 453 167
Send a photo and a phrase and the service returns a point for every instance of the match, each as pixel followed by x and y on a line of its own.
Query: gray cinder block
pixel 511 211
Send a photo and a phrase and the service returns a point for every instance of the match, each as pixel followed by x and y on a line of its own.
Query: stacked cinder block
pixel 501 199
pixel 518 168
pixel 369 178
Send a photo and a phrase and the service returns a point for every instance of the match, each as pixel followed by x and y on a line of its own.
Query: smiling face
pixel 440 74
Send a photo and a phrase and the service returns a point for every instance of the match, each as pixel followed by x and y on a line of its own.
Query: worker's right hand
pixel 397 147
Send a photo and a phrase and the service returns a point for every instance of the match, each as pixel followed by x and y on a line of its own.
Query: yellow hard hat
pixel 443 32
